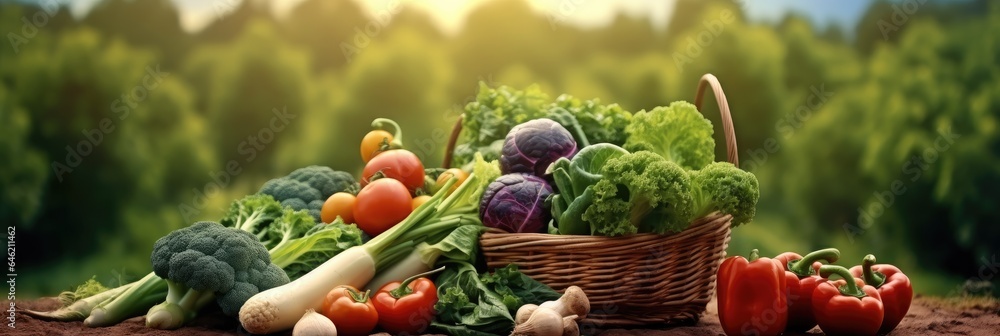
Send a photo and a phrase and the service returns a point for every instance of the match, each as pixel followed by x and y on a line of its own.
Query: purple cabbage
pixel 516 203
pixel 532 146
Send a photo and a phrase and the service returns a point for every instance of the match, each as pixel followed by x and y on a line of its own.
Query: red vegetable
pixel 398 164
pixel 893 287
pixel 843 308
pixel 350 310
pixel 407 307
pixel 751 296
pixel 801 280
pixel 381 205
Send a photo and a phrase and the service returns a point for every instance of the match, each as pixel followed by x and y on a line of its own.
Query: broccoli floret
pixel 307 188
pixel 254 214
pixel 325 179
pixel 283 189
pixel 722 187
pixel 679 133
pixel 640 192
pixel 208 261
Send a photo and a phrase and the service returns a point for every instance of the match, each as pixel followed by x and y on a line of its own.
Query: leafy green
pixel 573 179
pixel 516 288
pixel 462 244
pixel 601 123
pixel 720 186
pixel 300 254
pixel 677 132
pixel 296 242
pixel 474 304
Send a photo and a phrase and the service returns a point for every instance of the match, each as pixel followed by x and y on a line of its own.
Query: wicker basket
pixel 631 281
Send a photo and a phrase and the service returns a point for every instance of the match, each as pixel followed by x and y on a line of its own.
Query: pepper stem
pixel 850 288
pixel 754 255
pixel 358 296
pixel 389 125
pixel 404 287
pixel 872 277
pixel 803 267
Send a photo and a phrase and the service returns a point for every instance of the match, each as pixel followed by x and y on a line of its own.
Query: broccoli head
pixel 678 132
pixel 207 261
pixel 324 179
pixel 722 187
pixel 640 192
pixel 307 188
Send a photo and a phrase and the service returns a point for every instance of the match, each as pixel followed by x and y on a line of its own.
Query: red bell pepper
pixel 407 307
pixel 892 285
pixel 843 308
pixel 751 296
pixel 801 280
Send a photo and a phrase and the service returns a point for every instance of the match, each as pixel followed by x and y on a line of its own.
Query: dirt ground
pixel 927 316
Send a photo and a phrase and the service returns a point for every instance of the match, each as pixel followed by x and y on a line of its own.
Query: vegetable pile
pixel 321 252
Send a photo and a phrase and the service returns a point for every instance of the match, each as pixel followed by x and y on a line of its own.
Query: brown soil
pixel 927 316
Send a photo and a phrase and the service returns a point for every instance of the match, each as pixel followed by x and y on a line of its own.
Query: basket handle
pixel 707 79
pixel 727 118
pixel 451 141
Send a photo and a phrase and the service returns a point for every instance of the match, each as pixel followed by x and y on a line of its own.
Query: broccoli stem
pixel 134 301
pixel 181 306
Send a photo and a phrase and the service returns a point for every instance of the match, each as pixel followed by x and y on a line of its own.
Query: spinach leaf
pixel 476 305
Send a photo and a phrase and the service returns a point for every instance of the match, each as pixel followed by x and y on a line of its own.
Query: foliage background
pixel 827 164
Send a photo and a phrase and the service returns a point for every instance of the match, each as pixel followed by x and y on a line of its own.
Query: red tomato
pixel 339 204
pixel 381 205
pixel 350 310
pixel 397 164
pixel 374 143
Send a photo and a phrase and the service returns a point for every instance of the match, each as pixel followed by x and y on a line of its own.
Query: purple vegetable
pixel 532 146
pixel 515 203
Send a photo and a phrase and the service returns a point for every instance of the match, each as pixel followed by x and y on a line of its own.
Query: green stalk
pixel 390 126
pixel 404 287
pixel 394 254
pixel 850 288
pixel 803 267
pixel 444 224
pixel 872 277
pixel 754 255
pixel 79 310
pixel 143 294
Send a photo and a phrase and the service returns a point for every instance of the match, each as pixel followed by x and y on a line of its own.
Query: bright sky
pixel 450 14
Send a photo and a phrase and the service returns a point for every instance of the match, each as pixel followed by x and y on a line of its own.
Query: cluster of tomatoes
pixel 393 184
